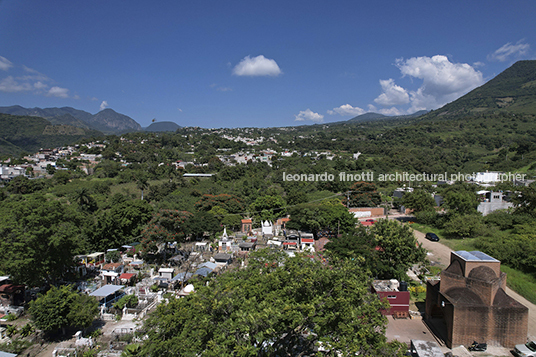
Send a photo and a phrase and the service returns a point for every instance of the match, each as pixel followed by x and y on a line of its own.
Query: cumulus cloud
pixel 5 64
pixel 103 105
pixel 443 81
pixel 509 50
pixel 392 94
pixel 346 110
pixel 257 66
pixel 58 92
pixel 308 114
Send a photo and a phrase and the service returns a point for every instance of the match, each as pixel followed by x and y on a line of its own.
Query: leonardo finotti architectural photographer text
pixel 398 176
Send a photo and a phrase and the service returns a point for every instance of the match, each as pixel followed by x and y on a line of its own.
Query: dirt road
pixel 440 254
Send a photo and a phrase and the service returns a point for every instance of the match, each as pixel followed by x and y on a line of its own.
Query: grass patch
pixel 521 283
pixel 427 229
pixel 453 243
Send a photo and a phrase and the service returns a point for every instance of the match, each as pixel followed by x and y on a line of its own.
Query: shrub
pixel 426 217
pixel 465 226
pixel 130 301
pixel 11 317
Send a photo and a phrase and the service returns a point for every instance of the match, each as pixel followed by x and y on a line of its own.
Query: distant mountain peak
pixel 108 120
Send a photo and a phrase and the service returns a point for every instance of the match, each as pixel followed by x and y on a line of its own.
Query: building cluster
pixel 39 163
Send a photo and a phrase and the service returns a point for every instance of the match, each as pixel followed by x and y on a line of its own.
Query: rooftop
pixel 474 256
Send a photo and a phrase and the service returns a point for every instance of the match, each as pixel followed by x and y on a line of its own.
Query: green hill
pixel 512 91
pixel 29 133
pixel 162 126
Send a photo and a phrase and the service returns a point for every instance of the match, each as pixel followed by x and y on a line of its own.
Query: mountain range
pixel 512 91
pixel 106 121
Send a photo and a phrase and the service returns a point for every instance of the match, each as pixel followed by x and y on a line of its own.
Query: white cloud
pixel 509 50
pixel 308 114
pixel 58 92
pixel 39 85
pixel 443 81
pixel 30 70
pixel 29 80
pixel 257 66
pixel 10 85
pixel 103 105
pixel 392 94
pixel 346 110
pixel 5 64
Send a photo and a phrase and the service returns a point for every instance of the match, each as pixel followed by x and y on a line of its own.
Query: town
pixel 128 281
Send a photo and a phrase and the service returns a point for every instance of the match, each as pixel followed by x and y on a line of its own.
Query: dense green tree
pixel 38 239
pixel 461 199
pixel 164 227
pixel 268 208
pixel 418 201
pixel 526 201
pixel 202 222
pixel 274 306
pixel 363 194
pixel 398 248
pixel 327 215
pixel 464 226
pixel 231 203
pixel 61 177
pixel 358 244
pixel 62 307
pixel 121 223
pixel 231 221
pixel 85 201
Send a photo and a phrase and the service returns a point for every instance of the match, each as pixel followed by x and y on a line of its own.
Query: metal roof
pixel 203 271
pixel 209 265
pixel 475 256
pixel 182 277
pixel 106 290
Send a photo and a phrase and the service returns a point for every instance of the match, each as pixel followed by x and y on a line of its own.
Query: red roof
pixel 367 223
pixel 290 243
pixel 307 240
pixel 126 276
pixel 111 266
pixel 246 221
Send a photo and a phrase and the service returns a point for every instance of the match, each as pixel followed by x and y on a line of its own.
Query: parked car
pixel 526 350
pixel 432 237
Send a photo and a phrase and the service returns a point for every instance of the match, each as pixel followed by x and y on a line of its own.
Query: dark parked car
pixel 432 237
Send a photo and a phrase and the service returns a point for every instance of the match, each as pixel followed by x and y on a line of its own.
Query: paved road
pixel 440 254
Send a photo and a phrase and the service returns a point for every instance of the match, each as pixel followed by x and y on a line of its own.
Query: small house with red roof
pixel 110 272
pixel 247 226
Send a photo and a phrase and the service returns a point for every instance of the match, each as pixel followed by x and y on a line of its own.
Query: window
pixel 391 296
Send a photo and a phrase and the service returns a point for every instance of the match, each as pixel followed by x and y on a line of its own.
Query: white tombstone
pixel 267 228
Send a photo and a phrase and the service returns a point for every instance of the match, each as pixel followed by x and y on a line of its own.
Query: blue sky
pixel 255 63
